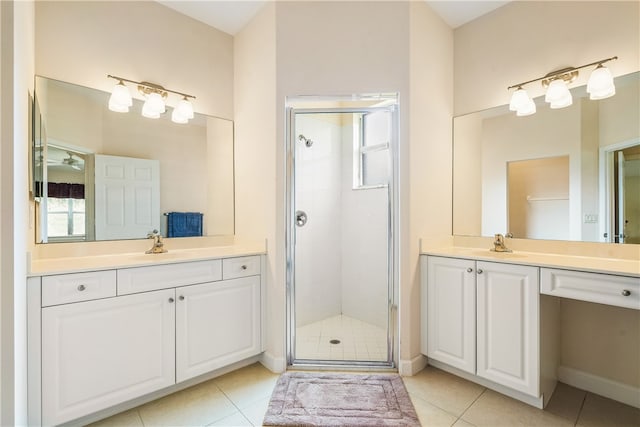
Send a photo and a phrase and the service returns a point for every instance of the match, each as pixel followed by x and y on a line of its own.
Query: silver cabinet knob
pixel 479 271
pixel 81 288
pixel 171 300
pixel 469 270
pixel 244 267
pixel 181 297
pixel 626 292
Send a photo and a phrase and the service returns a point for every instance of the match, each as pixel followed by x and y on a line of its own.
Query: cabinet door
pixel 451 312
pixel 508 325
pixel 217 324
pixel 96 354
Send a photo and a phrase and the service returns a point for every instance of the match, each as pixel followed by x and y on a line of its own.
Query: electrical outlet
pixel 590 218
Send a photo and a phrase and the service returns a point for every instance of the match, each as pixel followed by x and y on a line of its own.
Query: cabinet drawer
pixel 240 267
pixel 142 279
pixel 594 287
pixel 66 288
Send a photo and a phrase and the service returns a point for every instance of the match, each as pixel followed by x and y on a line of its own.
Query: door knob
pixel 301 218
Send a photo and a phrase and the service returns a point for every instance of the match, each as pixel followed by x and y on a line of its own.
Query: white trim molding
pixel 615 390
pixel 407 368
pixel 273 363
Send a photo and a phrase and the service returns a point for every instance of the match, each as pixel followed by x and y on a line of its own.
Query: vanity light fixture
pixel 155 100
pixel 599 86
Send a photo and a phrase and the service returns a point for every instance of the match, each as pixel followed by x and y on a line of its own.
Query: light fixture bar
pixel 152 86
pixel 558 73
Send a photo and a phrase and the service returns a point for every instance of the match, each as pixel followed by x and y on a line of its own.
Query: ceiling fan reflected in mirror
pixel 73 162
pixel 58 157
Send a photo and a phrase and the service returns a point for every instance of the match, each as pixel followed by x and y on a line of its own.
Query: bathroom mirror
pixel 73 131
pixel 561 174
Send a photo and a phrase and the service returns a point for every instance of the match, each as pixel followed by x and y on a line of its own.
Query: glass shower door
pixel 341 236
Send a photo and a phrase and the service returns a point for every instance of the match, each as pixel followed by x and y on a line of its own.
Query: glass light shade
pixel 600 84
pixel 519 100
pixel 156 103
pixel 118 108
pixel 527 109
pixel 120 99
pixel 558 94
pixel 149 112
pixel 185 108
pixel 177 117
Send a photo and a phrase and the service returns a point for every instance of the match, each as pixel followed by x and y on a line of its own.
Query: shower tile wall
pixel 318 261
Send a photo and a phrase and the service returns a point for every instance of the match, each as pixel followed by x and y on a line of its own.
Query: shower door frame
pixel 392 240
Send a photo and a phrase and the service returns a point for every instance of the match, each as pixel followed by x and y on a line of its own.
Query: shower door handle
pixel 301 218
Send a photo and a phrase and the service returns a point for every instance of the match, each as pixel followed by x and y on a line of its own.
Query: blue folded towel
pixel 184 224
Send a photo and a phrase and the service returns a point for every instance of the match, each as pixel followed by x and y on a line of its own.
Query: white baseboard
pixel 407 368
pixel 599 385
pixel 274 364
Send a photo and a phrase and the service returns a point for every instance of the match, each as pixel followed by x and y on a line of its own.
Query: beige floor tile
pixel 235 420
pixel 129 418
pixel 255 411
pixel 494 409
pixel 600 411
pixel 566 402
pixel 430 415
pixel 247 385
pixel 199 405
pixel 446 391
pixel 462 423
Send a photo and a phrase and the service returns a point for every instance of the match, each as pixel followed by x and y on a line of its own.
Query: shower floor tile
pixel 358 340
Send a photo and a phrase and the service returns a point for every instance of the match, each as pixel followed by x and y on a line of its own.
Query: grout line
pixel 140 417
pixel 470 405
pixel 584 400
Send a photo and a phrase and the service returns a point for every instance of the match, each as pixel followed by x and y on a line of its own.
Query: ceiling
pixel 231 16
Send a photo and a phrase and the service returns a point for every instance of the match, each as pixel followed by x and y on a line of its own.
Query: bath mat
pixel 318 399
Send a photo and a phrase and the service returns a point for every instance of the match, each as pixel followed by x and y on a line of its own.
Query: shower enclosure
pixel 341 231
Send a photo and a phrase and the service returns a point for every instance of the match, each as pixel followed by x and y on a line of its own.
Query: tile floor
pixel 241 398
pixel 358 340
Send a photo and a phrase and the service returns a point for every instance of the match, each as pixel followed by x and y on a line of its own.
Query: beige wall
pixel 255 151
pixel 506 47
pixel 429 163
pixel 81 42
pixel 354 47
pixel 524 40
pixel 16 72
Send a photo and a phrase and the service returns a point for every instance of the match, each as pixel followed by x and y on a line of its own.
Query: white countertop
pixel 76 264
pixel 626 267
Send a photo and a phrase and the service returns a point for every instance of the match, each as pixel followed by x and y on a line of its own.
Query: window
pixel 65 217
pixel 371 136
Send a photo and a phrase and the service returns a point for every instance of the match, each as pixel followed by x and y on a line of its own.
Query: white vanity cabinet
pixel 96 354
pixel 217 324
pixel 508 316
pixel 483 318
pixel 99 339
pixel 450 315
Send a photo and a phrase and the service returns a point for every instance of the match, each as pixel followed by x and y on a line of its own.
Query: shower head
pixel 308 142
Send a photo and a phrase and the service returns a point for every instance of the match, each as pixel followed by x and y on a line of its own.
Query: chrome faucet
pixel 158 245
pixel 498 244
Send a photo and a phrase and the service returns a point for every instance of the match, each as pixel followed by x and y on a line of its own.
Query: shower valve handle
pixel 301 218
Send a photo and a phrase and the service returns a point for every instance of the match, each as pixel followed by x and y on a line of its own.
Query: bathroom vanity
pixel 494 318
pixel 100 337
